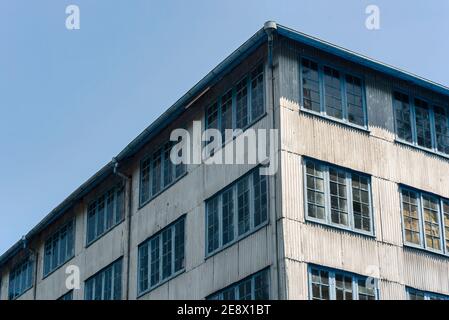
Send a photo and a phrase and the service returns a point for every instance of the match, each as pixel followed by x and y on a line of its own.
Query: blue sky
pixel 71 100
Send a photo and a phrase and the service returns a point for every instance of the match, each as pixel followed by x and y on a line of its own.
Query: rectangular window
pixel 332 93
pixel 338 197
pixel 104 213
pixel 105 284
pixel 21 278
pixel 421 123
pixel 329 284
pixel 425 220
pixel 240 106
pixel 414 294
pixel 237 210
pixel 158 172
pixel 254 287
pixel 59 247
pixel 162 256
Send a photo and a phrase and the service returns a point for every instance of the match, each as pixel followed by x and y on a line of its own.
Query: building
pixel 358 207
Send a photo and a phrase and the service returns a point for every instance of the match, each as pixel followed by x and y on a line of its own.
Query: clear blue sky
pixel 71 100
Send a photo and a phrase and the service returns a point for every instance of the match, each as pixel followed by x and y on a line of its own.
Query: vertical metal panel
pixel 297 288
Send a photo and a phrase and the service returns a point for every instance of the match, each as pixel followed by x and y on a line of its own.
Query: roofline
pixel 152 130
pixel 183 103
pixel 362 60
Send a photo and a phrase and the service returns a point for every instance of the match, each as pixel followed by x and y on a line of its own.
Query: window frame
pixel 111 266
pixel 50 237
pixel 218 295
pixel 147 242
pixel 233 88
pixel 115 223
pixel 423 245
pixel 149 157
pixel 343 92
pixel 252 229
pixel 327 194
pixel 30 262
pixel 332 287
pixel 431 106
pixel 427 295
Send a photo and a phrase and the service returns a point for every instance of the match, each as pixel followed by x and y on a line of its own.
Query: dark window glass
pixel 332 90
pixel 403 116
pixel 310 85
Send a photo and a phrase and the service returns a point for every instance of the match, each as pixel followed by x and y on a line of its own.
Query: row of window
pixel 240 106
pixel 106 284
pixel 20 279
pixel 332 284
pixel 337 95
pixel 421 122
pixel 342 198
pixel 332 93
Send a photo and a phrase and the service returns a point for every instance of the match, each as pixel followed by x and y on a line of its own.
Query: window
pixel 240 106
pixel 59 248
pixel 236 211
pixel 332 93
pixel 414 294
pixel 338 197
pixel 254 287
pixel 425 219
pixel 68 296
pixel 329 284
pixel 106 284
pixel 421 123
pixel 104 213
pixel 158 172
pixel 21 278
pixel 162 256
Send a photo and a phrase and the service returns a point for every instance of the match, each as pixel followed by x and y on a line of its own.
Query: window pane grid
pixel 21 278
pixel 106 284
pixel 338 197
pixel 104 213
pixel 326 284
pixel 162 256
pixel 59 248
pixel 237 210
pixel 331 92
pixel 425 220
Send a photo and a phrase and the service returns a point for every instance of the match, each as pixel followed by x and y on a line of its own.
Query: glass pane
pixel 320 284
pixel 257 92
pixel 179 245
pixel 442 129
pixel 310 85
pixel 354 100
pixel 212 224
pixel 242 104
pixel 403 114
pixel 243 206
pixel 411 217
pixel 166 253
pixel 226 114
pixel 145 181
pixel 339 207
pixel 332 90
pixel 260 185
pixel 361 203
pixel 315 190
pixel 228 216
pixel 423 131
pixel 431 222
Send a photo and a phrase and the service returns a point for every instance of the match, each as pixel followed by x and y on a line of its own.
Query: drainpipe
pixel 127 181
pixel 270 28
